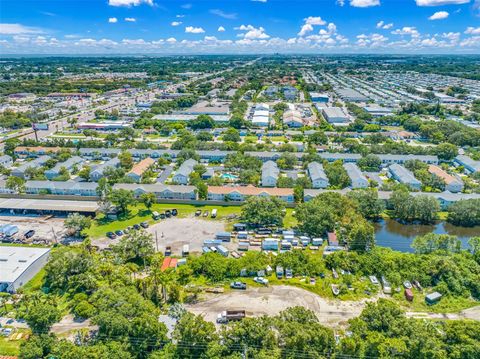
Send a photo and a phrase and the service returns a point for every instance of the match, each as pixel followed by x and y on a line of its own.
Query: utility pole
pixel 156 240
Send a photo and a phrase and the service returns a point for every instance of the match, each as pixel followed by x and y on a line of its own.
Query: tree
pixel 361 236
pixel 249 177
pixel 465 213
pixel 15 184
pixel 122 198
pixel 135 246
pixel 231 135
pixel 201 122
pixel 337 175
pixel 369 205
pixel 370 163
pixel 126 160
pixel 194 336
pixel 263 211
pixel 318 138
pixel 77 222
pixel 148 199
pixel 426 208
pixel 446 151
pixel 287 161
pixel 84 173
pixel 204 136
pixel 41 315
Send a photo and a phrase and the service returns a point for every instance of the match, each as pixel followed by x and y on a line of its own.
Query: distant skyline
pixel 239 26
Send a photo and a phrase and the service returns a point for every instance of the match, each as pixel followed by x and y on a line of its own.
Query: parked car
pixel 407 284
pixel 261 280
pixel 155 215
pixel 119 233
pixel 168 213
pixel 238 285
pixel 144 224
pixel 162 215
pixel 29 233
pixel 205 213
pixel 136 226
pixel 111 235
pixel 198 212
pixel 126 231
pixel 174 212
pixel 168 251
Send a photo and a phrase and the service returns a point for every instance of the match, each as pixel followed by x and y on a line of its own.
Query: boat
pixel 407 284
pixel 334 273
pixel 408 294
pixel 373 279
pixel 335 289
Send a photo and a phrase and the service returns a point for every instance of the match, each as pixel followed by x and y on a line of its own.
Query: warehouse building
pixel 335 115
pixel 18 265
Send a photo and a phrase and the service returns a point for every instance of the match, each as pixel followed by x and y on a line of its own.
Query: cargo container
pixel 317 241
pixel 387 289
pixel 185 250
pixel 206 250
pixel 243 246
pixel 279 272
pixel 224 236
pixel 286 246
pixel 212 242
pixel 223 251
pixel 433 298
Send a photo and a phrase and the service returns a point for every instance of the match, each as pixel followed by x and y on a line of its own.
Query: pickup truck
pixel 230 315
pixel 238 285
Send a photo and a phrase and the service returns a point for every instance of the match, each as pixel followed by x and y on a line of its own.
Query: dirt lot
pixel 176 232
pixel 46 228
pixel 272 300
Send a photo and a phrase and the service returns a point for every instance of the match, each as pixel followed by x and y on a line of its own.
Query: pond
pixel 398 236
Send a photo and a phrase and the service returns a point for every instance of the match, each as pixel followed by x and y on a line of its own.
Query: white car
pixel 261 280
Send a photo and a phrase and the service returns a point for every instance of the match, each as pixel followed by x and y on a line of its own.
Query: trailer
pixel 433 298
pixel 214 213
pixel 230 315
pixel 408 294
pixel 185 250
pixel 279 272
pixel 223 251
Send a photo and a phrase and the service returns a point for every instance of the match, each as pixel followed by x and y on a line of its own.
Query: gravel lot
pixel 44 227
pixel 271 300
pixel 176 232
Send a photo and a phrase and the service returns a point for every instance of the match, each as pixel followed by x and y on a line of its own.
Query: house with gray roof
pixel 99 153
pixel 470 165
pixel 66 188
pixel 317 175
pixel 6 161
pixel 68 164
pixel 183 173
pixel 270 173
pixel 37 162
pixel 160 190
pixel 345 157
pixel 358 180
pixel 402 175
pixel 388 159
pixel 97 172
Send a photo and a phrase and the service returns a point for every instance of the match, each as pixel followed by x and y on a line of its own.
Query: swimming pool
pixel 228 176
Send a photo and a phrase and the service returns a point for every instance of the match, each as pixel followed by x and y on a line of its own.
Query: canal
pixel 398 236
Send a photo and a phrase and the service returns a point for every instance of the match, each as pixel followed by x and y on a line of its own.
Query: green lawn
pixel 11 347
pixel 139 214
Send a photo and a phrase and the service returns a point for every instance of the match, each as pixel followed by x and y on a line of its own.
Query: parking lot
pixel 48 230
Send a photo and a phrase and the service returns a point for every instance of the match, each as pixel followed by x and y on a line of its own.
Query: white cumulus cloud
pixel 194 30
pixel 439 15
pixel 221 29
pixel 472 30
pixel 364 3
pixel 176 23
pixel 384 26
pixel 252 33
pixel 112 20
pixel 12 29
pixel 129 2
pixel 130 19
pixel 440 2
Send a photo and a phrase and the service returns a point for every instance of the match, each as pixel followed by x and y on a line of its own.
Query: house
pixel 402 175
pixel 317 175
pixel 6 161
pixel 97 172
pixel 452 184
pixel 160 190
pixel 335 115
pixel 470 165
pixel 332 239
pixel 184 171
pixel 209 173
pixel 34 151
pixel 68 164
pixel 67 188
pixel 345 157
pixel 241 193
pixel 271 156
pixel 358 180
pixel 139 169
pixel 99 153
pixel 3 187
pixel 290 93
pixel 388 159
pixel 37 162
pixel 270 174
pixel 213 156
pixel 292 118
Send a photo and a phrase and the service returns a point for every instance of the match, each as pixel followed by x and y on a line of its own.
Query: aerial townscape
pixel 253 196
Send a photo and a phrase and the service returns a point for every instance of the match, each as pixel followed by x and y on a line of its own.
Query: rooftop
pixel 16 260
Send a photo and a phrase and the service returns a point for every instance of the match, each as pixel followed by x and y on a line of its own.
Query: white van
pixel 214 213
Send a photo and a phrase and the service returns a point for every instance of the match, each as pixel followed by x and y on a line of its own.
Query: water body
pixel 398 236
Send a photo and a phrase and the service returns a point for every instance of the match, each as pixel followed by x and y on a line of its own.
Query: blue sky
pixel 239 26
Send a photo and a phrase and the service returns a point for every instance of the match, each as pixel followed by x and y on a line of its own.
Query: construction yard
pixel 48 230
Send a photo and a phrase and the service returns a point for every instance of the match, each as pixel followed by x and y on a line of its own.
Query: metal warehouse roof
pixel 14 261
pixel 49 205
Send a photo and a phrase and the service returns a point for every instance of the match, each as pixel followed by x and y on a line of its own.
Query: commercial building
pixel 319 97
pixel 62 188
pixel 18 265
pixel 452 184
pixel 377 111
pixel 335 115
pixel 351 95
pixel 292 118
pixel 402 175
pixel 358 180
pixel 184 171
pixel 317 175
pixel 270 174
pixel 6 161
